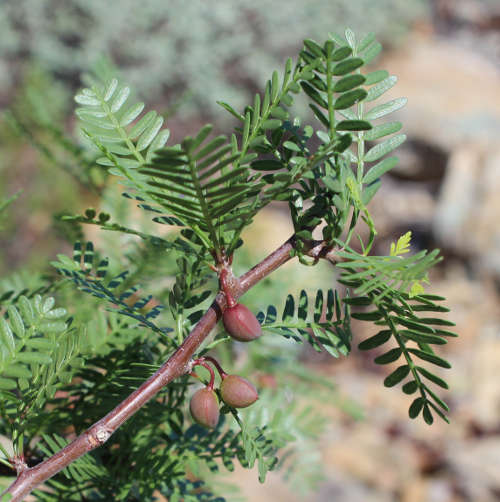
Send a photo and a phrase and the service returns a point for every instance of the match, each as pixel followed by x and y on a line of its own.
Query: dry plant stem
pixel 178 364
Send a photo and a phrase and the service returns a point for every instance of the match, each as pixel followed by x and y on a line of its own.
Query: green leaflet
pixel 394 311
pixel 432 377
pixel 379 131
pixel 93 278
pixel 385 109
pixel 384 148
pixel 374 341
pixel 375 76
pixel 430 357
pixel 338 88
pixel 206 192
pixel 43 354
pixel 380 88
pixel 347 66
pixel 410 387
pixel 380 169
pixel 416 407
pixel 331 332
pixel 389 357
pixel 108 117
pixel 397 376
pixel 353 125
pixel 349 82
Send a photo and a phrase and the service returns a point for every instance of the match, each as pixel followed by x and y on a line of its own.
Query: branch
pixel 178 364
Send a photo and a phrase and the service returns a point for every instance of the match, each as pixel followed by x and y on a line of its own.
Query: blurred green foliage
pixel 199 50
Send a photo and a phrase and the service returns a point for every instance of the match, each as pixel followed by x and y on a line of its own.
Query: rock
pixel 477 464
pixel 421 161
pixel 466 218
pixel 401 206
pixel 452 92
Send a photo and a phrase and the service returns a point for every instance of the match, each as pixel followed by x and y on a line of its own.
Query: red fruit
pixel 238 392
pixel 241 324
pixel 204 407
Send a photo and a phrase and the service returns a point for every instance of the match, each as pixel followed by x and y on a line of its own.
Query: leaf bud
pixel 238 392
pixel 204 407
pixel 241 323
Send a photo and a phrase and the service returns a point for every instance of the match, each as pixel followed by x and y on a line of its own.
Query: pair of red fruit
pixel 235 391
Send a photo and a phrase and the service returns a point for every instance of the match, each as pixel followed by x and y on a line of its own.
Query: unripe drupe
pixel 241 324
pixel 238 392
pixel 204 407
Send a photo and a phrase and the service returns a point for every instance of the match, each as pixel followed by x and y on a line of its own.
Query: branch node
pixel 188 368
pixel 19 464
pixel 98 437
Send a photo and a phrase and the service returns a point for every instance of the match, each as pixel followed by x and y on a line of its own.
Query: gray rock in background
pixel 454 107
pixel 468 210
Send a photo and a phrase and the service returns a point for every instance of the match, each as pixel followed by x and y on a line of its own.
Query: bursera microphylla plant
pixel 209 189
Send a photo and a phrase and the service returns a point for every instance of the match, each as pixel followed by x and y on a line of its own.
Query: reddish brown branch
pixel 177 365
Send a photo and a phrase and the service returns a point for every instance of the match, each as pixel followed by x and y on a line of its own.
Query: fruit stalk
pixel 201 362
pixel 214 361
